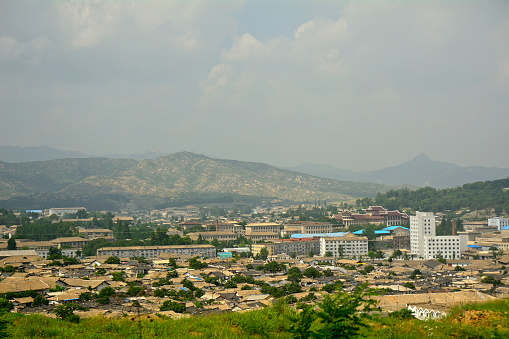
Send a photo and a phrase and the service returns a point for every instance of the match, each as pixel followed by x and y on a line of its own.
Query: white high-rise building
pixel 498 222
pixel 426 244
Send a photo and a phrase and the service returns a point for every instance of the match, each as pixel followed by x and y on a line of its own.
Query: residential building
pixel 69 242
pixel 209 236
pixel 300 246
pixel 262 231
pixel 347 245
pixel 305 227
pixel 95 233
pixel 426 244
pixel 60 212
pixel 156 251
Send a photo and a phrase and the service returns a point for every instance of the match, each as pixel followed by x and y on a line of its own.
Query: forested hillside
pixel 475 196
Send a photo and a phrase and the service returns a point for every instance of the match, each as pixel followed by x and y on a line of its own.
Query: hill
pixel 420 171
pixel 15 154
pixel 162 181
pixel 474 196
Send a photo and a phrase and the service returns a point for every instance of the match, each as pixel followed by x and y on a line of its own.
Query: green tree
pixel 264 253
pixel 11 244
pixel 338 316
pixel 312 272
pixel 112 260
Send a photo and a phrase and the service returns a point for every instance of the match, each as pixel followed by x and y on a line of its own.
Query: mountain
pixel 325 171
pixel 164 180
pixel 420 171
pixel 16 154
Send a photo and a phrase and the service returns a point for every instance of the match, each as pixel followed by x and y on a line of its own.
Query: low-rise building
pixel 209 236
pixel 156 251
pixel 61 211
pixel 498 222
pixel 95 233
pixel 69 242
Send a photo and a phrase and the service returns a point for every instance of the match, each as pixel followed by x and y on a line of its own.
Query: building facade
pixel 345 246
pixel 426 244
pixel 498 222
pixel 156 251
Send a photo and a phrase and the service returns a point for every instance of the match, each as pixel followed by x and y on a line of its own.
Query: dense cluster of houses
pixel 418 284
pixel 404 266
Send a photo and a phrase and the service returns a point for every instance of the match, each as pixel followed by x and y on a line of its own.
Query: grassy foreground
pixel 484 320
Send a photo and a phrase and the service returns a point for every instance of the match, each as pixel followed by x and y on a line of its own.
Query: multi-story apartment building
pixel 209 236
pixel 94 233
pixel 60 212
pixel 301 246
pixel 262 231
pixel 69 242
pixel 426 244
pixel 498 222
pixel 348 245
pixel 306 227
pixel 156 251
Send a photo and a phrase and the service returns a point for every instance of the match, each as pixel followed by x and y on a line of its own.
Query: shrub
pixel 169 305
pixel 338 316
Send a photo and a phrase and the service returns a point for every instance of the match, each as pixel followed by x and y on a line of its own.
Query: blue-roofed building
pixel 392 228
pixel 377 232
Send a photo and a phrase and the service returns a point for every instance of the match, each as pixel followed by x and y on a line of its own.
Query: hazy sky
pixel 360 85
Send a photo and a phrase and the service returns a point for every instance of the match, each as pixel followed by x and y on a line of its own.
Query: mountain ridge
pixel 157 181
pixel 420 171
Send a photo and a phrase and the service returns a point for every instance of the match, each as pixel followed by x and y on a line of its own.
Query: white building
pixel 426 244
pixel 348 245
pixel 498 222
pixel 65 210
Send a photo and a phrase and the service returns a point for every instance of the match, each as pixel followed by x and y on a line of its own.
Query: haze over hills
pixel 160 181
pixel 15 154
pixel 420 171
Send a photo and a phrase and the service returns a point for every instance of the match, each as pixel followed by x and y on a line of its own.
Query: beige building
pixel 69 242
pixel 209 236
pixel 156 251
pixel 97 233
pixel 289 247
pixel 263 231
pixel 307 227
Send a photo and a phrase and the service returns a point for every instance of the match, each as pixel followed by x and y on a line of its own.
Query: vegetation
pixel 484 320
pixel 475 196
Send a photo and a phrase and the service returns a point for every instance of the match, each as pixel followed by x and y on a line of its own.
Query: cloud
pixel 307 81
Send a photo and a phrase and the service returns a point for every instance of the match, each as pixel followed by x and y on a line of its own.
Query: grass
pixel 482 320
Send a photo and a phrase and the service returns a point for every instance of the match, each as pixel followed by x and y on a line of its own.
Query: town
pixel 197 260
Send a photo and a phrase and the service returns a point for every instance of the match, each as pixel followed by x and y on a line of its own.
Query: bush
pixel 39 300
pixel 169 305
pixel 338 316
pixel 112 260
pixel 5 305
pixel 404 313
pixel 66 312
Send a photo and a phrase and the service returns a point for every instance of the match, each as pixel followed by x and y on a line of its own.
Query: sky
pixel 360 85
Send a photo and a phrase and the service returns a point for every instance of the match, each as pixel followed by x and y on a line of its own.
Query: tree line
pixel 474 196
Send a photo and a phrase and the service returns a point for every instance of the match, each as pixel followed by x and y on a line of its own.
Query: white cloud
pixel 334 83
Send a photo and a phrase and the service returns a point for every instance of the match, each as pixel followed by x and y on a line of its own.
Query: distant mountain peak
pixel 422 157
